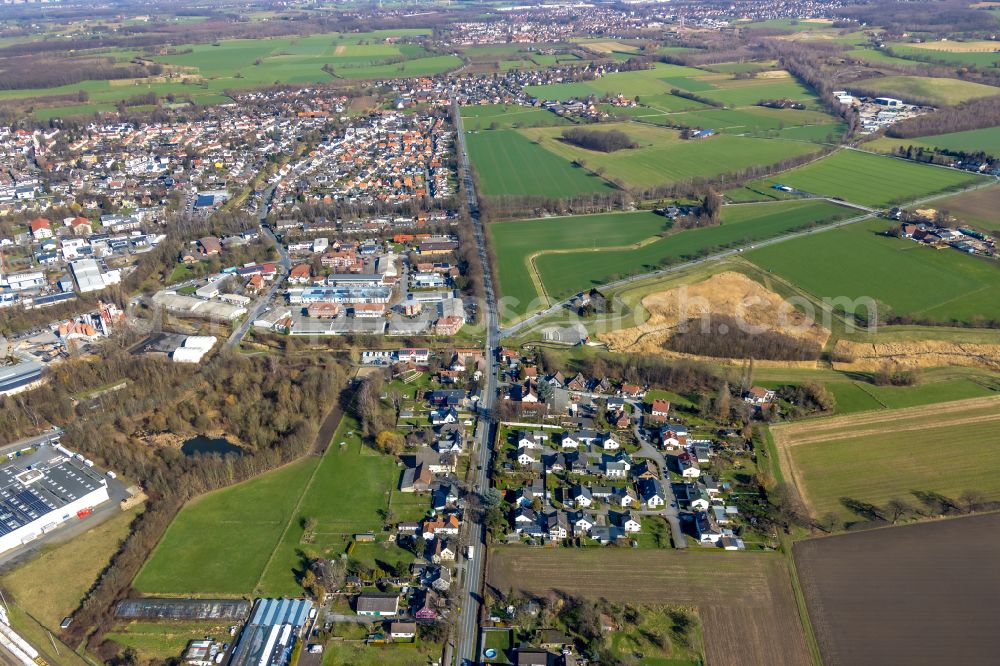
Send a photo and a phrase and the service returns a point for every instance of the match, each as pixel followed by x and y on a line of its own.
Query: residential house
pixel 659 410
pixel 402 630
pixel 372 604
pixel 651 492
pixel 758 395
pixel 581 496
pixel 40 228
pixel 687 465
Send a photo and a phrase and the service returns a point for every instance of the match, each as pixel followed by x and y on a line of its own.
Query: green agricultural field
pixel 935 90
pixel 644 82
pixel 663 157
pixel 249 539
pixel 856 262
pixel 876 457
pixel 868 179
pixel 749 120
pixel 250 63
pixel 506 117
pixel 514 242
pixel 854 396
pixel 507 162
pixel 982 59
pixel 986 140
pixel 565 274
pixel 747 92
pixel 219 544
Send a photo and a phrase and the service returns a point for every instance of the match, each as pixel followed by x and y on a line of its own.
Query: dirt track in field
pixel 745 599
pixel 917 594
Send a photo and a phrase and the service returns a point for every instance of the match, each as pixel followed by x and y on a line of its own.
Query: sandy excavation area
pixel 869 357
pixel 727 293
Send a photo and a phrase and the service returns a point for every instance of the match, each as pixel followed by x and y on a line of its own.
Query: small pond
pixel 205 444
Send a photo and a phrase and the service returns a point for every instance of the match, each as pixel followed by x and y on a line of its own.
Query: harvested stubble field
pixel 728 293
pixel 745 600
pixel 917 594
pixel 874 457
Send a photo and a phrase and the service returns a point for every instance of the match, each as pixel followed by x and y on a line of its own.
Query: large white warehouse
pixel 42 490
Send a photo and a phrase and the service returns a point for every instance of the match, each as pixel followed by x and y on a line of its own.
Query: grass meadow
pixel 662 157
pixel 870 180
pixel 858 262
pixel 250 538
pixel 507 162
pixel 938 91
pixel 566 274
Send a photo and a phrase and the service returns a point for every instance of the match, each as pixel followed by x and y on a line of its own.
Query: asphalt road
pixel 470 597
pixel 284 261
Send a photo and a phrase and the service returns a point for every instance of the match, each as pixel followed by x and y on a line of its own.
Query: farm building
pixel 42 490
pixel 270 635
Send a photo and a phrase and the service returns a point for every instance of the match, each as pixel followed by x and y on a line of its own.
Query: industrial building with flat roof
pixel 42 490
pixel 269 636
pixel 20 376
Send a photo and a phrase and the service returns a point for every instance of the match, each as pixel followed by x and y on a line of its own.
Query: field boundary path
pixel 532 319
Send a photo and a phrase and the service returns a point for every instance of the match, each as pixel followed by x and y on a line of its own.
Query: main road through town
pixel 470 596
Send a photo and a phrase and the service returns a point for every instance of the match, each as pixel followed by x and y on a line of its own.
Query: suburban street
pixel 471 595
pixel 286 265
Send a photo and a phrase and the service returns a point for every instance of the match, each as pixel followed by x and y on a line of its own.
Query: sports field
pixel 985 140
pixel 874 457
pixel 567 273
pixel 507 162
pixel 248 539
pixel 870 180
pixel 745 600
pixel 663 157
pixel 856 262
pixel 935 90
